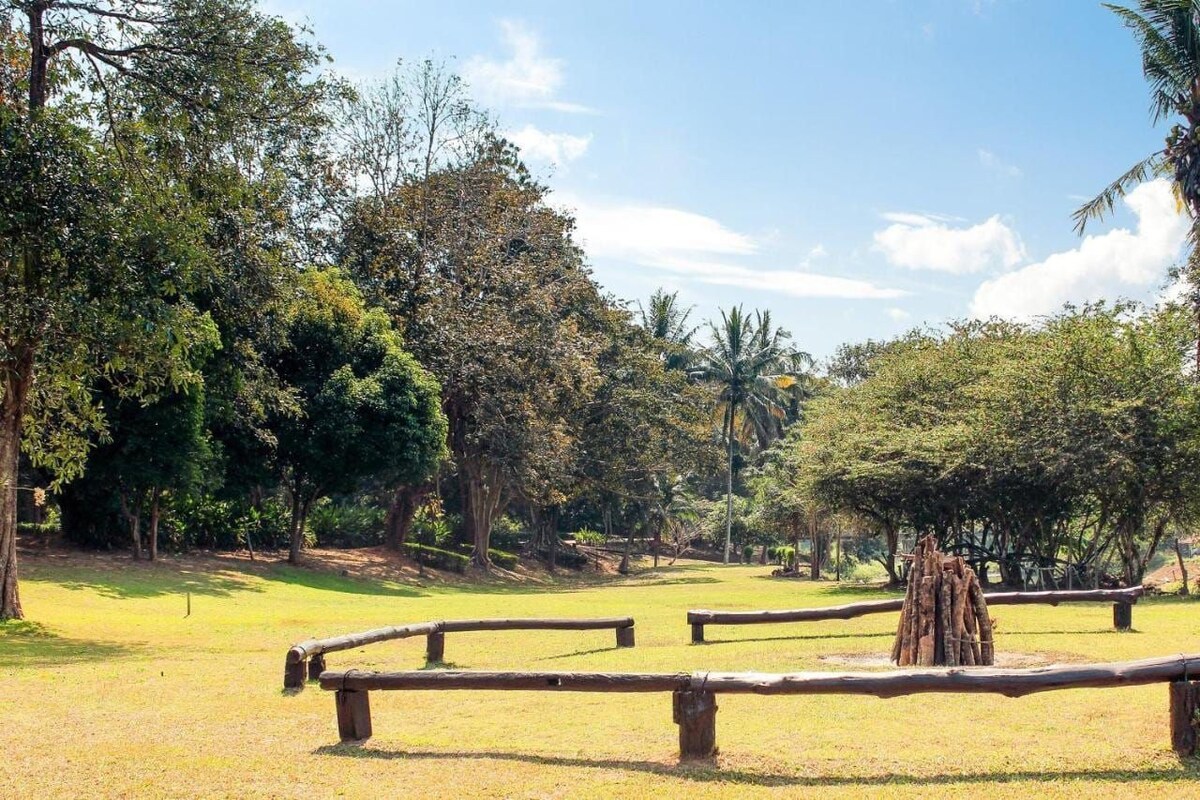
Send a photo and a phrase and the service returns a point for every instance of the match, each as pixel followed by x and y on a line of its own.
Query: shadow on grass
pixel 707 771
pixel 140 580
pixel 330 582
pixel 28 644
pixel 578 653
pixel 887 634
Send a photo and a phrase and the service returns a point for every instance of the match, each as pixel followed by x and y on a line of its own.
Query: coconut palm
pixel 1168 32
pixel 667 322
pixel 750 361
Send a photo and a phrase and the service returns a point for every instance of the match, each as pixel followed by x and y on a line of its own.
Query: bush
pixel 347 524
pixel 565 557
pixel 498 557
pixel 748 553
pixel 437 558
pixel 205 522
pixel 590 537
pixel 865 572
pixel 431 527
pixel 508 533
pixel 784 556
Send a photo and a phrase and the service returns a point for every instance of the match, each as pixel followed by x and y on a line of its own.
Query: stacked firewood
pixel 944 621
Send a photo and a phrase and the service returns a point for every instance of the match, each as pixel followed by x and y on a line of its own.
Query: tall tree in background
pixel 99 243
pixel 748 362
pixel 1168 32
pixel 667 322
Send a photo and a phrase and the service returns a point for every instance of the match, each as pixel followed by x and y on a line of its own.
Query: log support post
pixel 697 633
pixel 695 712
pixel 316 666
pixel 293 674
pixel 353 715
pixel 435 647
pixel 1185 717
pixel 1122 616
pixel 625 637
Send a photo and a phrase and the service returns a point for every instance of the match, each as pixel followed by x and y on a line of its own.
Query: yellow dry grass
pixel 112 692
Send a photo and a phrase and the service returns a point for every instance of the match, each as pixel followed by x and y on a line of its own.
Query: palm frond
pixel 1104 203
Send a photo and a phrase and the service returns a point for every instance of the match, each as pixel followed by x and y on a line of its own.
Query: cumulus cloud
pixel 702 249
pixel 555 148
pixel 898 314
pixel 1102 266
pixel 923 241
pixel 992 162
pixel 527 78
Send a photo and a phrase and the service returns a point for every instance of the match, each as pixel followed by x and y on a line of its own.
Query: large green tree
pixel 748 362
pixel 365 407
pixel 101 241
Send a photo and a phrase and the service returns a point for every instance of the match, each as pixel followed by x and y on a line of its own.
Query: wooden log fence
pixel 1122 600
pixel 694 707
pixel 307 659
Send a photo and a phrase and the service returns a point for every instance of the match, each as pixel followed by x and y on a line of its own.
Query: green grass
pixel 111 692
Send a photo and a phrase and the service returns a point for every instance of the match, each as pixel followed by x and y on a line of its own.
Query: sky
pixel 858 169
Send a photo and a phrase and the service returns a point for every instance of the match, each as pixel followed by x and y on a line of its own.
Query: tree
pixel 667 322
pixel 366 408
pixel 99 243
pixel 748 361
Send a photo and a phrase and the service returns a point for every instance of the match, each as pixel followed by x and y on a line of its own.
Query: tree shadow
pixel 332 582
pixel 141 580
pixel 885 634
pixel 677 581
pixel 577 653
pixel 709 771
pixel 29 644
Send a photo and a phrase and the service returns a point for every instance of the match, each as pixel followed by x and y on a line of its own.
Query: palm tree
pixel 750 361
pixel 1168 31
pixel 667 322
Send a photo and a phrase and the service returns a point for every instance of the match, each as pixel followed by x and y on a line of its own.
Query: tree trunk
pixel 1183 589
pixel 299 512
pixel 133 516
pixel 729 484
pixel 481 494
pixel 405 502
pixel 155 495
pixel 10 449
pixel 815 555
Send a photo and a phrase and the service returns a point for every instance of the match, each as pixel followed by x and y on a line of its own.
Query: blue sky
pixel 857 168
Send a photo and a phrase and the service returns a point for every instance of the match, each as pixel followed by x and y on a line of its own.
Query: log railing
pixel 694 694
pixel 307 659
pixel 1122 600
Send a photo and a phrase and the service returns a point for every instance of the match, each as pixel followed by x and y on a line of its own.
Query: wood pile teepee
pixel 944 622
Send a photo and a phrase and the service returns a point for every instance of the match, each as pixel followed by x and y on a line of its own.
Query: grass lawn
pixel 110 691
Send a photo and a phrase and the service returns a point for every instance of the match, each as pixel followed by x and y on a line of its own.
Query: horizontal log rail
pixel 1121 599
pixel 694 694
pixel 307 659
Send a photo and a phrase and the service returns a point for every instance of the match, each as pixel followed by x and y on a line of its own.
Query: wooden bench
pixel 307 659
pixel 1122 600
pixel 694 694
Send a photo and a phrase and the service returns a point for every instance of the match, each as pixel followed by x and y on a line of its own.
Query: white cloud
pixel 992 162
pixel 700 248
pixel 527 78
pixel 555 148
pixel 921 241
pixel 1102 266
pixel 898 314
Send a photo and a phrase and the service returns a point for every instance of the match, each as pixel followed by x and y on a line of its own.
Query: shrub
pixel 347 524
pixel 437 558
pixel 748 553
pixel 508 533
pixel 498 557
pixel 571 559
pixel 430 527
pixel 866 572
pixel 590 537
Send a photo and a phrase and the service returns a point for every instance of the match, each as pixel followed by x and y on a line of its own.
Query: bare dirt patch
pixel 1003 659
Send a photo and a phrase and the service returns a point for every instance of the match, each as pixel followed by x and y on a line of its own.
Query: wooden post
pixel 697 633
pixel 435 647
pixel 316 666
pixel 695 712
pixel 1122 616
pixel 293 675
pixel 625 637
pixel 1185 716
pixel 353 715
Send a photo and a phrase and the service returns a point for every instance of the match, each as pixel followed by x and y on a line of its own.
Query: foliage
pixel 437 558
pixel 587 536
pixel 346 522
